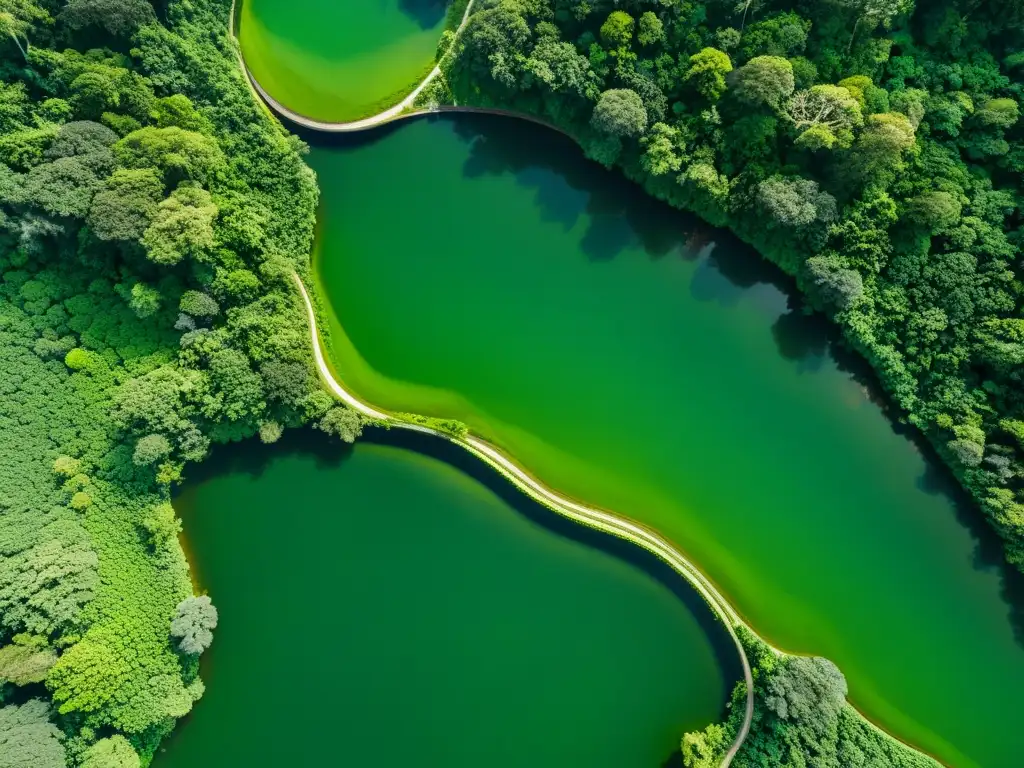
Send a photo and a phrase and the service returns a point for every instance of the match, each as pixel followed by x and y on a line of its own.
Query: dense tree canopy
pixel 146 312
pixel 28 738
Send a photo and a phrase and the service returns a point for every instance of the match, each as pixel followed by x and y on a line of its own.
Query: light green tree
pixel 617 30
pixel 825 116
pixel 182 227
pixel 342 422
pixel 144 300
pixel 162 525
pixel 150 449
pixel 707 71
pixel 764 80
pixel 27 737
pixel 194 620
pixel 112 752
pixel 650 30
pixel 704 749
pixel 26 660
pixel 663 145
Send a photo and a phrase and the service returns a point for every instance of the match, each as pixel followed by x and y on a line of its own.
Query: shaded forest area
pixel 151 215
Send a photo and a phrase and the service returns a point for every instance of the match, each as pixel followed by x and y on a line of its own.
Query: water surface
pixel 379 607
pixel 480 268
pixel 335 61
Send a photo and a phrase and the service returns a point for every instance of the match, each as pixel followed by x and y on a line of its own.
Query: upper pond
pixel 379 607
pixel 333 60
pixel 482 269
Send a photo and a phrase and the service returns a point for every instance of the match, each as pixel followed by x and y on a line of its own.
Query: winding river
pixel 480 268
pixel 415 609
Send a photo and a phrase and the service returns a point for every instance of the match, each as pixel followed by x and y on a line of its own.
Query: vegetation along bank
pixel 151 216
pixel 870 149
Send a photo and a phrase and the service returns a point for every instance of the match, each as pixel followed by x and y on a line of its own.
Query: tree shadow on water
pixel 803 338
pixel 426 13
pixel 252 457
pixel 812 340
pixel 734 270
pixel 937 480
pixel 568 187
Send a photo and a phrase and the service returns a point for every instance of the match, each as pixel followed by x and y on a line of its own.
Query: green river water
pixel 381 607
pixel 480 268
pixel 334 60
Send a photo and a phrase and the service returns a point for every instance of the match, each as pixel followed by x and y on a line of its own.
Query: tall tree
pixel 195 618
pixel 764 80
pixel 112 752
pixel 620 112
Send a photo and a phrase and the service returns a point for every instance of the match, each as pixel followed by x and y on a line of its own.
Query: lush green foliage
pixel 452 427
pixel 801 718
pixel 341 422
pixel 151 215
pixel 870 149
pixel 113 752
pixel 28 738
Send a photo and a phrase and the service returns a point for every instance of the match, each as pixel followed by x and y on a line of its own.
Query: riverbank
pixel 594 518
pixel 467 625
pixel 600 520
pixel 312 124
pixel 584 515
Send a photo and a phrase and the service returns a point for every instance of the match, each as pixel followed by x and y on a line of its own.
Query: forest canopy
pixel 151 218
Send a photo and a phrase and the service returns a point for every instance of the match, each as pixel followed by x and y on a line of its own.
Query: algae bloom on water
pixel 340 61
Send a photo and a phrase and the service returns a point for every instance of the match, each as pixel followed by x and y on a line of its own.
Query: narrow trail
pixel 592 517
pixel 579 513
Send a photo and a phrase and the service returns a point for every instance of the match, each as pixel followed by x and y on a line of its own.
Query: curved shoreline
pixel 592 517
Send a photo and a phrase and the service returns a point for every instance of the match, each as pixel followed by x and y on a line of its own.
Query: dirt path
pixel 580 513
pixel 590 516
